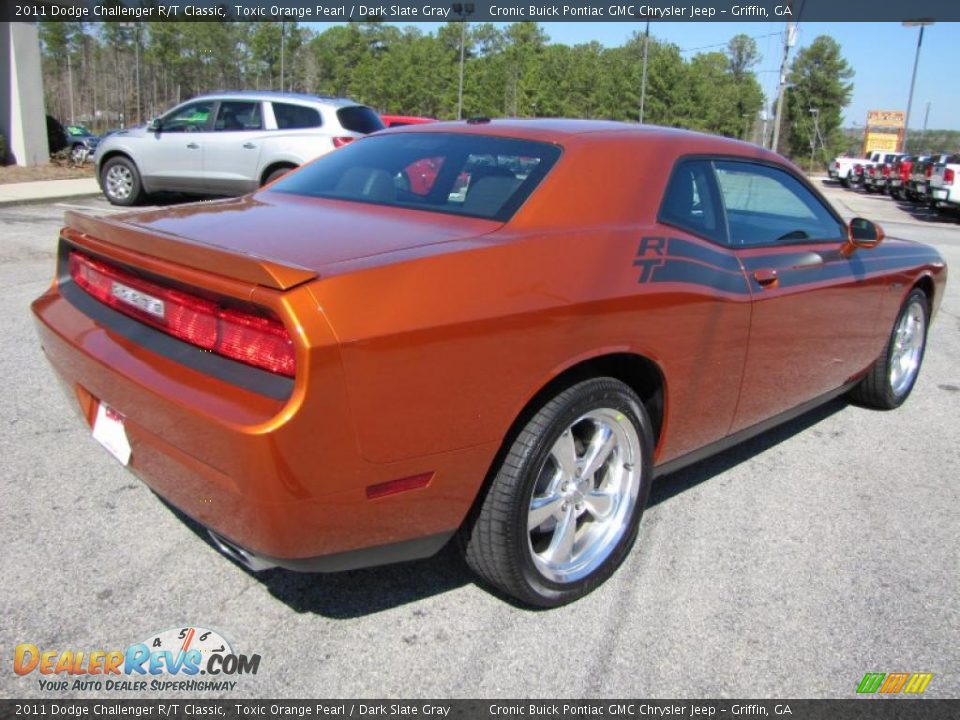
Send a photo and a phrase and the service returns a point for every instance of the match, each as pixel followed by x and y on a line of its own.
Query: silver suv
pixel 226 143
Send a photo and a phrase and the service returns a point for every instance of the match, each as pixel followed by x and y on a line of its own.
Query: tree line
pixel 112 74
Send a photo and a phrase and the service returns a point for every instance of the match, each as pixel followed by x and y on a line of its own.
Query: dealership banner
pixel 484 10
pixel 867 709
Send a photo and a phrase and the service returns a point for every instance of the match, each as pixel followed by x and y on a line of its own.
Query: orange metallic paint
pixel 421 337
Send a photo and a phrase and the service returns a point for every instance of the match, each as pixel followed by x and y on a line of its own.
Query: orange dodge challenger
pixel 352 366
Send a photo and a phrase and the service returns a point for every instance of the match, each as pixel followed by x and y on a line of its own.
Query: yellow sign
pixel 882 141
pixel 886 118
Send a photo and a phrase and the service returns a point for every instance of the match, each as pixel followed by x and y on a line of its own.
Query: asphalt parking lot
pixel 786 567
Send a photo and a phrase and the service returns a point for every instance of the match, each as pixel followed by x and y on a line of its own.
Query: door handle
pixel 249 145
pixel 767 277
pixel 193 146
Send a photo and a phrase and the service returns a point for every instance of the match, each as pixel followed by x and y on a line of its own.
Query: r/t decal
pixel 651 254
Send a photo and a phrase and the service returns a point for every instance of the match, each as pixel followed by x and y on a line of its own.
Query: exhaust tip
pixel 252 562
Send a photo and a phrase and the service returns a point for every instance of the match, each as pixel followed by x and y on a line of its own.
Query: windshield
pixel 458 174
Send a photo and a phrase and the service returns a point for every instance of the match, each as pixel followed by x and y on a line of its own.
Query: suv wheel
pixel 121 181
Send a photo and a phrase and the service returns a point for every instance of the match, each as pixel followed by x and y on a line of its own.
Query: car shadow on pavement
pixel 689 477
pixel 926 213
pixel 353 593
pixel 357 593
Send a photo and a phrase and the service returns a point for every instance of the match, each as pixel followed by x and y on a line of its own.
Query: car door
pixel 814 308
pixel 231 154
pixel 173 156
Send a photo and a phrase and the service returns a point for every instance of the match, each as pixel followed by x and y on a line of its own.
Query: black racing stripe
pixel 838 271
pixel 677 247
pixel 686 271
pixel 776 261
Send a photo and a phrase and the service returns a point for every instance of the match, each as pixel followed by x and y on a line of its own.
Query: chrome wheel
pixel 118 182
pixel 907 350
pixel 584 495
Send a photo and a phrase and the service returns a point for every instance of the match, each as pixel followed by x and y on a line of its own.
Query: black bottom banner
pixel 866 708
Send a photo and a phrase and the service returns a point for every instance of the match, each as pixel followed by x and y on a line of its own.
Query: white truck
pixel 945 184
pixel 844 169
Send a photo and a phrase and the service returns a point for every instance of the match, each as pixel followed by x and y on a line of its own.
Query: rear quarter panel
pixel 443 352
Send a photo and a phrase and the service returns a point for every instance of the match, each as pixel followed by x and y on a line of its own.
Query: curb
pixel 51 199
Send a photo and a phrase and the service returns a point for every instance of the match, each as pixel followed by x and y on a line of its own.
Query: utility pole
pixel 916 60
pixel 461 10
pixel 926 117
pixel 283 37
pixel 815 135
pixel 463 45
pixel 643 81
pixel 788 42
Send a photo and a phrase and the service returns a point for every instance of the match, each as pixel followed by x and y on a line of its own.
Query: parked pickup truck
pixel 898 183
pixel 876 178
pixel 945 184
pixel 843 169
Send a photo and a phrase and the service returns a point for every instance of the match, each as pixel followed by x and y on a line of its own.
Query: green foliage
pixel 509 71
pixel 819 76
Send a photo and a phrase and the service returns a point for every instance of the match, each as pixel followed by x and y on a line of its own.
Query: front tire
pixel 121 183
pixel 564 506
pixel 892 377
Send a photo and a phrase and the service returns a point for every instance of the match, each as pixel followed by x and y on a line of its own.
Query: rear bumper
pixel 945 196
pixel 280 478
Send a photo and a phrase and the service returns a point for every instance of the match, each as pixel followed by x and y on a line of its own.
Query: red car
pixel 401 120
pixel 342 369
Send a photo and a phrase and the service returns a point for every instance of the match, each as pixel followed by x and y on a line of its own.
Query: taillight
pixel 885 171
pixel 253 339
pixel 341 141
pixel 948 176
pixel 929 171
pixel 837 164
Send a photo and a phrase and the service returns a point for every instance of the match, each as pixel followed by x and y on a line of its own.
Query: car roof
pixel 564 131
pixel 276 95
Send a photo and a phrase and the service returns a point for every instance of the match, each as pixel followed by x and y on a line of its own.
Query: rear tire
pixel 120 180
pixel 564 506
pixel 891 379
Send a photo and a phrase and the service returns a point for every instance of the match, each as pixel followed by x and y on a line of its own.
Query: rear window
pixel 360 119
pixel 473 175
pixel 292 117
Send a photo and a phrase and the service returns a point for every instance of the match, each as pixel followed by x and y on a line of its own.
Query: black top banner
pixel 485 10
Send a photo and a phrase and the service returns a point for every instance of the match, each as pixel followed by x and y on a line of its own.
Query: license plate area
pixel 109 431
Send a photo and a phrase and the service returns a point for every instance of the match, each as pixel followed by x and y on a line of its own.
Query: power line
pixel 707 47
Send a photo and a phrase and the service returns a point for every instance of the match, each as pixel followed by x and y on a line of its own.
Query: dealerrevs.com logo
pixel 167 661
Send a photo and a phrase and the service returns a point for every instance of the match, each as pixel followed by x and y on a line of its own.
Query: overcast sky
pixel 881 55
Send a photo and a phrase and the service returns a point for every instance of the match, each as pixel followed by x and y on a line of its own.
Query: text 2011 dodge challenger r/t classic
pixel 495 330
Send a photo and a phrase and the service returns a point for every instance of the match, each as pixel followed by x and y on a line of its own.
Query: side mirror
pixel 862 234
pixel 154 125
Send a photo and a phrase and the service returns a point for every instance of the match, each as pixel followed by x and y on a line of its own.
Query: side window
pixel 190 118
pixel 767 205
pixel 292 117
pixel 690 203
pixel 237 115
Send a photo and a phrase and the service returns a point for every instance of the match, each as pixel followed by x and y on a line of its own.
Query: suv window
pixel 190 118
pixel 767 205
pixel 690 202
pixel 238 115
pixel 359 118
pixel 474 175
pixel 292 117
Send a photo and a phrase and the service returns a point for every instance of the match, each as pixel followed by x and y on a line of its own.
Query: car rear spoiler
pixel 188 252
